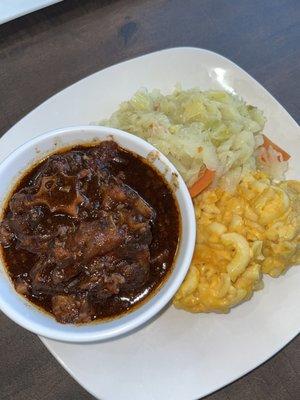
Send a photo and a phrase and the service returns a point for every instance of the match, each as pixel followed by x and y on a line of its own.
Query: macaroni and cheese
pixel 240 236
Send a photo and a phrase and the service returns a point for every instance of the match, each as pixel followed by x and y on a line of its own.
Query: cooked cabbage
pixel 196 130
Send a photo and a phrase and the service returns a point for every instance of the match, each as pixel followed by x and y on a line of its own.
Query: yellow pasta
pixel 240 236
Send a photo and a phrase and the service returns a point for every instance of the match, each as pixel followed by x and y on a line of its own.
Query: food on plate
pixel 247 220
pixel 240 236
pixel 202 183
pixel 199 131
pixel 90 232
pixel 272 159
pixel 282 155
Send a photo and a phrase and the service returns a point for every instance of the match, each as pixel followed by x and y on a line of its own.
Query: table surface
pixel 48 50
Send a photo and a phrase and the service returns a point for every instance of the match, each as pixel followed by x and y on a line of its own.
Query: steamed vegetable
pixel 267 143
pixel 202 183
pixel 203 130
pixel 196 130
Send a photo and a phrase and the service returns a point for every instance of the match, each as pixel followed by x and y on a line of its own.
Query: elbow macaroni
pixel 241 257
pixel 240 236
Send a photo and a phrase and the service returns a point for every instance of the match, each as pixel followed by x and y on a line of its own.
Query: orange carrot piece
pixel 202 183
pixel 268 142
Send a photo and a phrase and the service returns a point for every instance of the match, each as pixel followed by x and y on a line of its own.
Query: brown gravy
pixel 90 232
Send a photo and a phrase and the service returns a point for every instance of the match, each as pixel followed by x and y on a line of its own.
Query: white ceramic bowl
pixel 27 315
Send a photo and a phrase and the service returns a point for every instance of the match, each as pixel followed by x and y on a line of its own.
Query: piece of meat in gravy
pixel 109 275
pixel 6 234
pixel 71 309
pixel 91 239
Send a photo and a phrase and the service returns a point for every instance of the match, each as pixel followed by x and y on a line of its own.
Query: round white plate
pixel 177 356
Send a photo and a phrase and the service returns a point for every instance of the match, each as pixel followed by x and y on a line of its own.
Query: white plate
pixel 178 356
pixel 11 9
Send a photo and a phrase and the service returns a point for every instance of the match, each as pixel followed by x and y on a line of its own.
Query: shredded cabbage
pixel 196 129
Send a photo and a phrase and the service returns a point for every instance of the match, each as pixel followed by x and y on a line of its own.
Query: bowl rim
pixel 58 333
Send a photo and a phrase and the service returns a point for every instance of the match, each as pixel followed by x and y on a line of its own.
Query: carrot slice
pixel 202 183
pixel 268 142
